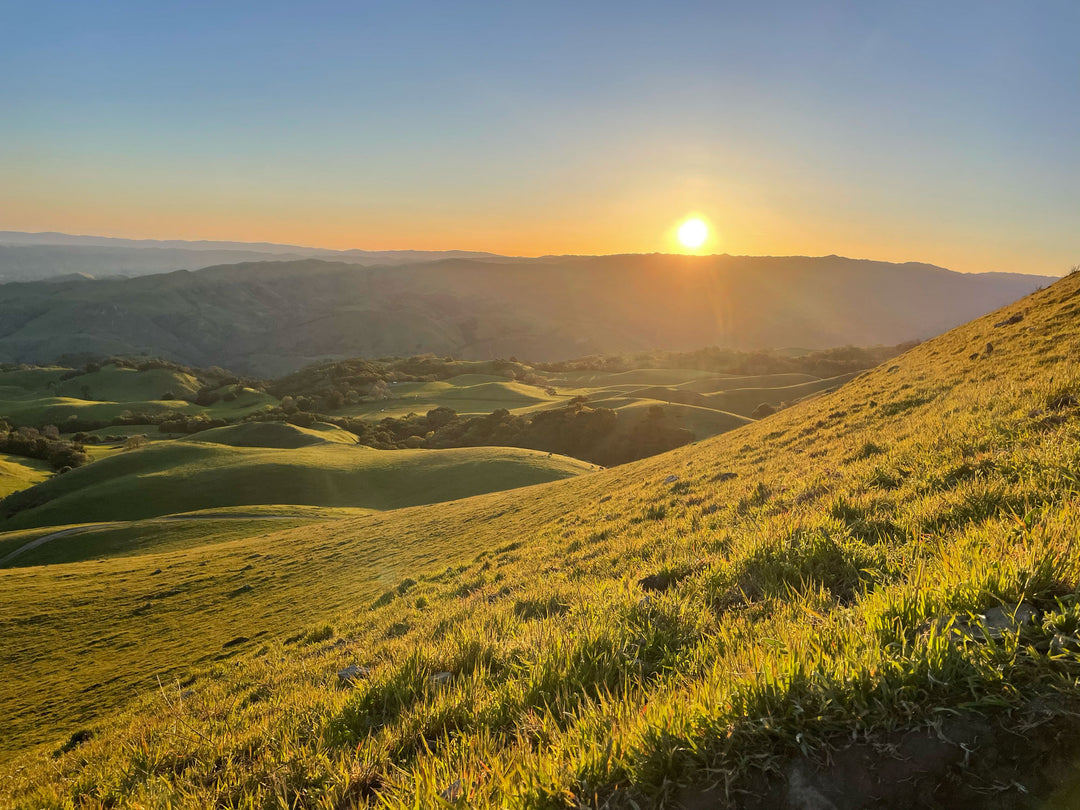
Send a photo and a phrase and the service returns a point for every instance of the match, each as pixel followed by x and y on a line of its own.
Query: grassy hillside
pixel 702 422
pixel 181 476
pixel 745 400
pixel 95 541
pixel 43 396
pixel 18 473
pixel 129 385
pixel 865 595
pixel 279 435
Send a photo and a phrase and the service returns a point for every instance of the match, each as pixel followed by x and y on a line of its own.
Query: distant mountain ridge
pixel 270 318
pixel 41 256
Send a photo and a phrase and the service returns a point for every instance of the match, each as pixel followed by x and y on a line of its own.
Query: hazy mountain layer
pixel 272 317
pixel 42 256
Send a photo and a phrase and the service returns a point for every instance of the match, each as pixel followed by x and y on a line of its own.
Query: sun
pixel 693 233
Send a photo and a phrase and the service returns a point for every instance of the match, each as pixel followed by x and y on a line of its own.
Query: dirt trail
pixel 45 538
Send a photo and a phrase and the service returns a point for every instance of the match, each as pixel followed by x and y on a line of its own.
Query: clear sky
pixel 945 131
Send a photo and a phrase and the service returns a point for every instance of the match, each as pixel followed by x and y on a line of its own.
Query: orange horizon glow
pixel 600 239
pixel 637 220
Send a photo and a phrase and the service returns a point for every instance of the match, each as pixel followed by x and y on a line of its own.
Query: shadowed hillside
pixel 270 318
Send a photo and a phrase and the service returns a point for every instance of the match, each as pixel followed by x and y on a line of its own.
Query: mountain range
pixel 271 317
pixel 41 256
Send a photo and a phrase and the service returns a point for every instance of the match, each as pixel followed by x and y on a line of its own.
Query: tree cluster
pixel 823 363
pixel 44 444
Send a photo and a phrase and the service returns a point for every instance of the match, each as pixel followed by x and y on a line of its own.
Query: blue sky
pixel 942 132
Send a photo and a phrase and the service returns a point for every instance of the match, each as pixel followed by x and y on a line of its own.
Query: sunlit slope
pixel 702 422
pixel 280 435
pixel 181 476
pixel 468 394
pixel 97 541
pixel 689 623
pixel 129 385
pixel 18 472
pixel 41 396
pixel 745 400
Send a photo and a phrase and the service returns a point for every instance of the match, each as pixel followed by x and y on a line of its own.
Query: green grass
pixel 180 476
pixel 115 384
pixel 18 473
pixel 131 538
pixel 744 400
pixel 37 397
pixel 698 620
pixel 702 422
pixel 470 394
pixel 278 435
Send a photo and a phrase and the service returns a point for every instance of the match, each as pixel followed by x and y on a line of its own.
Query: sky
pixel 944 132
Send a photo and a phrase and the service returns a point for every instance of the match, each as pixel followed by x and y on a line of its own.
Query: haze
pixel 898 132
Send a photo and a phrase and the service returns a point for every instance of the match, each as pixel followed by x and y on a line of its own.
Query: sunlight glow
pixel 693 233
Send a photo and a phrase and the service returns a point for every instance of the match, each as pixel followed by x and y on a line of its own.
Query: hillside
pixel 272 464
pixel 853 603
pixel 270 318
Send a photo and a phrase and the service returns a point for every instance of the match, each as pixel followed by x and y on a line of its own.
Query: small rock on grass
pixel 1009 321
pixel 994 622
pixel 452 792
pixel 442 677
pixel 353 673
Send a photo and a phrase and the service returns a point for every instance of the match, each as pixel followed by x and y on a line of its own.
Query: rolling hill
pixel 273 463
pixel 856 602
pixel 269 318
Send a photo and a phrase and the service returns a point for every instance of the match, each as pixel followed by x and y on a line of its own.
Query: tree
pixel 380 391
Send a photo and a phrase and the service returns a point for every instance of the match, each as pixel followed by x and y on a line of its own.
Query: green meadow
pixel 882 566
pixel 219 468
pixel 18 472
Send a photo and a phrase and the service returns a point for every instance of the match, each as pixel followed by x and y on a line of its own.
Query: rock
pixel 442 677
pixel 1009 321
pixel 655 582
pixel 804 796
pixel 353 673
pixel 605 499
pixel 989 349
pixel 155 572
pixel 999 619
pixel 452 792
pixel 993 623
pixel 671 479
pixel 725 476
pixel 1034 413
